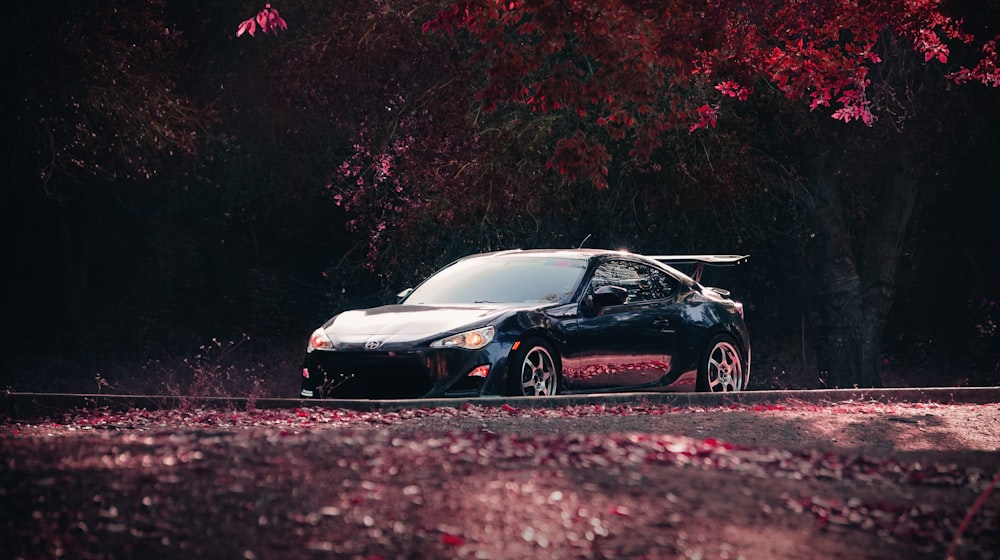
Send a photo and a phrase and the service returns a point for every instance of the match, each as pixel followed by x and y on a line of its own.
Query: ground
pixel 790 480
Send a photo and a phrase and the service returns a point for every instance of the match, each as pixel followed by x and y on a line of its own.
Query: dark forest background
pixel 181 206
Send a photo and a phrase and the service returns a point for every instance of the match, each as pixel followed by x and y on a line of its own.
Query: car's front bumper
pixel 402 374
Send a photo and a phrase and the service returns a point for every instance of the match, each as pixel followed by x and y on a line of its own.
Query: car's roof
pixel 563 253
pixel 582 254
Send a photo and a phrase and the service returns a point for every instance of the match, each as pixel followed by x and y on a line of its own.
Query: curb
pixel 25 406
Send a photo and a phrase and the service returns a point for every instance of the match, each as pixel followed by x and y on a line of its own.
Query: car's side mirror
pixel 402 295
pixel 610 295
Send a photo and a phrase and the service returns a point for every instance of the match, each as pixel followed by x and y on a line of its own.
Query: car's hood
pixel 408 323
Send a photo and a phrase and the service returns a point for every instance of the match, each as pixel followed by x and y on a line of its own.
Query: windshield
pixel 506 279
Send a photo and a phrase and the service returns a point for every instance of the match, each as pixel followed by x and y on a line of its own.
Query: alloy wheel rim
pixel 538 376
pixel 725 371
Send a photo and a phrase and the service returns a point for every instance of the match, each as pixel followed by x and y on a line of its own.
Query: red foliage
pixel 268 19
pixel 639 68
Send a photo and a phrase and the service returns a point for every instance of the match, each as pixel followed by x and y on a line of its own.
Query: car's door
pixel 628 343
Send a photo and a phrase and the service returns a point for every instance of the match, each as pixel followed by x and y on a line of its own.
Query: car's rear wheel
pixel 534 371
pixel 721 369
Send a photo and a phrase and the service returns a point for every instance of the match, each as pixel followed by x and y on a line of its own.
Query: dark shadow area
pixel 141 227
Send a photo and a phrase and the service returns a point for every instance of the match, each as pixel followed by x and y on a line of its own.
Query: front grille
pixel 374 377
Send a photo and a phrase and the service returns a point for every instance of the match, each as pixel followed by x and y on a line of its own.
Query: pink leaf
pixel 247 26
pixel 708 116
pixel 268 19
pixel 733 89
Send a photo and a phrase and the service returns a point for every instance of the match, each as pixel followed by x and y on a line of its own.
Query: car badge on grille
pixel 373 344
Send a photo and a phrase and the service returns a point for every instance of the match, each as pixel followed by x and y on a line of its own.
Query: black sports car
pixel 539 322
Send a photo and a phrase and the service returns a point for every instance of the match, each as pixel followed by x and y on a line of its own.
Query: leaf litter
pixel 493 482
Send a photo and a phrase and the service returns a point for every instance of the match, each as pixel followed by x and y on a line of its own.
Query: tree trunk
pixel 858 273
pixel 882 248
pixel 71 266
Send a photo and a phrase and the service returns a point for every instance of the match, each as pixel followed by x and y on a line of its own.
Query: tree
pixel 627 94
pixel 637 68
pixel 148 178
pixel 630 72
pixel 423 175
pixel 93 105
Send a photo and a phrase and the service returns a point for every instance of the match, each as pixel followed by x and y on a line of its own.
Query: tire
pixel 721 368
pixel 534 370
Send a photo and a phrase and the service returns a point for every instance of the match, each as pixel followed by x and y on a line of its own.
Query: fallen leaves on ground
pixel 473 481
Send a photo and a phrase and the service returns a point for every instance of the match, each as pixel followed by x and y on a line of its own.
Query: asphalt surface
pixel 24 406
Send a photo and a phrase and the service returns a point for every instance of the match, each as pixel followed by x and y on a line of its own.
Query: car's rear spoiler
pixel 701 260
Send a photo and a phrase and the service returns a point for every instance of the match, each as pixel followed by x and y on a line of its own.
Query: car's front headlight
pixel 470 340
pixel 319 340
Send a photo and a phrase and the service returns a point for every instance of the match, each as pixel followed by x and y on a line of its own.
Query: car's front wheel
pixel 721 368
pixel 534 371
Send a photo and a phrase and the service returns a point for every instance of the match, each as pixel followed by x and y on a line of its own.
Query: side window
pixel 644 283
pixel 611 273
pixel 662 285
